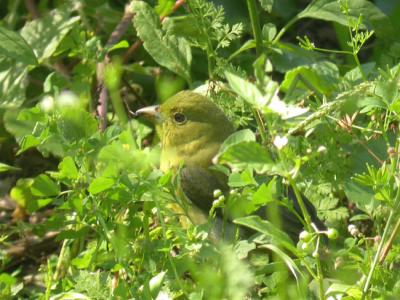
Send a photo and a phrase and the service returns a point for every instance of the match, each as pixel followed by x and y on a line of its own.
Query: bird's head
pixel 192 129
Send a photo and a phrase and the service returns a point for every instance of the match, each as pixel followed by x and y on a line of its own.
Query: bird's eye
pixel 179 118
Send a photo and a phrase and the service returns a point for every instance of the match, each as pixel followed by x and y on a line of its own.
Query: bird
pixel 192 129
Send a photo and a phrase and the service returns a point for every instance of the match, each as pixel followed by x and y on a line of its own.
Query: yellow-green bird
pixel 192 129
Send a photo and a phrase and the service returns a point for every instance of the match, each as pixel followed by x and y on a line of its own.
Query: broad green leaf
pixel 44 186
pixel 68 168
pixel 46 33
pixel 242 179
pixel 12 45
pixel 285 57
pixel 100 184
pixel 362 196
pixel 267 228
pixel 6 168
pixel 12 83
pixel 28 142
pixel 355 75
pixel 171 52
pixel 21 123
pixel 246 90
pixel 265 193
pixel 247 154
pixel 322 76
pixel 245 135
pixel 340 289
pixel 329 10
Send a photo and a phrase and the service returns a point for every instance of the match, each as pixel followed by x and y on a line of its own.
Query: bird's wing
pixel 198 184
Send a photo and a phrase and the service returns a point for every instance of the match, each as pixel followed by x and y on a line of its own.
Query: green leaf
pixel 340 289
pixel 164 7
pixel 68 168
pixel 243 247
pixel 28 142
pixel 155 284
pixel 362 196
pixel 265 193
pixel 43 186
pixel 6 168
pixel 77 124
pixel 242 179
pixel 267 228
pixel 120 45
pixel 12 45
pixel 329 10
pixel 246 90
pixel 322 76
pixel 12 83
pixel 287 56
pixel 246 154
pixel 46 33
pixel 245 135
pixel 169 51
pixel 100 184
pixel 21 192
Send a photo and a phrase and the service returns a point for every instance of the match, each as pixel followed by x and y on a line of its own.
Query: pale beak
pixel 150 112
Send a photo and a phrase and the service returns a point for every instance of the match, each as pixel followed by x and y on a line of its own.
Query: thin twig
pixel 389 243
pixel 33 10
pixel 102 90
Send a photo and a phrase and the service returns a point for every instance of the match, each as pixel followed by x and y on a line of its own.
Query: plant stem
pixel 173 266
pixel 377 255
pixel 359 66
pixel 307 218
pixel 284 29
pixel 255 24
pixel 389 242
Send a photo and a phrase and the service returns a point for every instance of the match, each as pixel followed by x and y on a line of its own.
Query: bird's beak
pixel 150 112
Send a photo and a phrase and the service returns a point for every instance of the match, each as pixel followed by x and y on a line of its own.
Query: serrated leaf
pixel 12 83
pixel 46 33
pixel 169 51
pixel 265 193
pixel 12 45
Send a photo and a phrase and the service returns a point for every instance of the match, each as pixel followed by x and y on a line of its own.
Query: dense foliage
pixel 313 90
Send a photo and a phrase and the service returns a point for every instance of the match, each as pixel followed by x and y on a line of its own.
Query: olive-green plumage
pixel 192 129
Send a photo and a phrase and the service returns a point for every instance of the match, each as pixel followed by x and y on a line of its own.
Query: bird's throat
pixel 196 152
